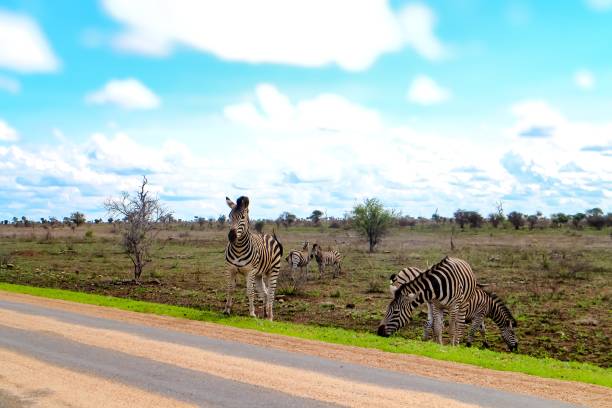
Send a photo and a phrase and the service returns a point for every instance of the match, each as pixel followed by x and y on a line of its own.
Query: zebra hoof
pixel 226 312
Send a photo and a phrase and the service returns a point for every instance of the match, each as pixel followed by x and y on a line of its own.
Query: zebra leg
pixel 476 324
pixel 460 322
pixel 262 293
pixel 250 284
pixel 483 331
pixel 428 328
pixel 453 324
pixel 437 317
pixel 231 286
pixel 320 271
pixel 272 278
pixel 294 275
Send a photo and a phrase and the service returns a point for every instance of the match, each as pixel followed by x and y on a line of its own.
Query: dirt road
pixel 57 353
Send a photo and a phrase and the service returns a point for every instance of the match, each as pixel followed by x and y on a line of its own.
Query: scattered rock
pixel 587 321
pixel 350 306
pixel 10 266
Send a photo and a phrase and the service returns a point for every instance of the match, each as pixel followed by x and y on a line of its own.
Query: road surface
pixel 57 353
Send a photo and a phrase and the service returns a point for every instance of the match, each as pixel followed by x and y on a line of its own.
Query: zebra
pixel 449 284
pixel 299 259
pixel 257 255
pixel 325 258
pixel 406 275
pixel 482 304
pixel 486 304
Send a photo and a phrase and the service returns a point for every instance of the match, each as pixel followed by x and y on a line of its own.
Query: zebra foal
pixel 486 304
pixel 299 259
pixel 327 258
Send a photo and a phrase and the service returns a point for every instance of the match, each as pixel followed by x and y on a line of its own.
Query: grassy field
pixel 557 282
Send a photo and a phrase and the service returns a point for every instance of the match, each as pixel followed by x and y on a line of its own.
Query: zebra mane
pixel 421 276
pixel 275 238
pixel 502 306
pixel 242 202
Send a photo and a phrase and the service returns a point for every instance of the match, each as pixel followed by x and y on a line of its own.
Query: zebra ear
pixel 392 288
pixel 230 203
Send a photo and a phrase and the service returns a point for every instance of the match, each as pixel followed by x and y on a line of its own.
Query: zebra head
pixel 238 218
pixel 316 248
pixel 399 312
pixel 504 320
pixel 509 336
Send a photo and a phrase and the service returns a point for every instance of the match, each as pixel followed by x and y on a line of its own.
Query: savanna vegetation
pixel 555 276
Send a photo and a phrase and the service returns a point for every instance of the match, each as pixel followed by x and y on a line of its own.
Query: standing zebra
pixel 257 255
pixel 299 259
pixel 325 258
pixel 486 304
pixel 449 284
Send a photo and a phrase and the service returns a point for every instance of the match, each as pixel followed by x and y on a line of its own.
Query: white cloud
pixel 418 22
pixel 23 46
pixel 584 79
pixel 600 5
pixel 7 133
pixel 312 34
pixel 543 136
pixel 127 93
pixel 425 91
pixel 325 112
pixel 9 84
pixel 325 152
pixel 140 42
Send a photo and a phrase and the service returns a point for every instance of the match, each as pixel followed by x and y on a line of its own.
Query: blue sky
pixel 306 105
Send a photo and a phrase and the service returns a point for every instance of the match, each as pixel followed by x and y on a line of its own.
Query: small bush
pixel 375 286
pixel 88 234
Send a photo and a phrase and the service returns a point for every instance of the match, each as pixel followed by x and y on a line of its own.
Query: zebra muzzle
pixel 382 331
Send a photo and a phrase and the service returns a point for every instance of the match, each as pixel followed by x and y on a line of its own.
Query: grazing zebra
pixel 406 275
pixel 486 304
pixel 325 258
pixel 299 259
pixel 257 255
pixel 449 284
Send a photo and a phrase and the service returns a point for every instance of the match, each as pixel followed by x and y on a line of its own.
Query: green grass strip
pixel 541 367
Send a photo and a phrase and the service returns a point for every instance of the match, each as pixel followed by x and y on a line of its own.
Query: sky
pixel 306 105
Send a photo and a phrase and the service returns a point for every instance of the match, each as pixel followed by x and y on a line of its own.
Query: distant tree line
pixel 593 218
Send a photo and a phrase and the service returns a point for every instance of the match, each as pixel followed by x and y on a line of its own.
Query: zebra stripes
pixel 406 275
pixel 482 304
pixel 299 259
pixel 446 285
pixel 327 258
pixel 257 255
pixel 485 304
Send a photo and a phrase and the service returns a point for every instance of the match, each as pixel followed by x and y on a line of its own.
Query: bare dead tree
pixel 143 216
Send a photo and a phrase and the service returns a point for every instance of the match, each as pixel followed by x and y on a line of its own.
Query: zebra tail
pixel 276 239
